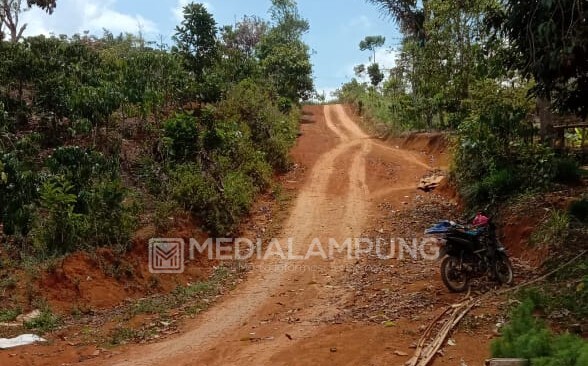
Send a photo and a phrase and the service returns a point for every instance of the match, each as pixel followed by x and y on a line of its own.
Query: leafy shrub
pixel 95 217
pixel 18 193
pixel 528 337
pixel 220 204
pixel 272 131
pixel 495 185
pixel 579 209
pixel 198 193
pixel 79 165
pixel 238 195
pixel 524 336
pixel 182 134
pixel 496 155
pixel 6 124
pixel 164 215
pixel 192 188
pixel 45 322
pixel 9 315
pixel 58 229
pixel 567 170
pixel 110 219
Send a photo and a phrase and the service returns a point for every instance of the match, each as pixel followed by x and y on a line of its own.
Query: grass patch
pixel 553 231
pixel 154 305
pixel 44 323
pixel 9 315
pixel 183 295
pixel 122 335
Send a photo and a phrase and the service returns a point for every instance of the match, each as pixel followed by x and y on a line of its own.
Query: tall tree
pixel 359 70
pixel 376 75
pixel 549 42
pixel 47 5
pixel 10 11
pixel 409 14
pixel 372 43
pixel 196 39
pixel 284 57
pixel 287 20
pixel 245 35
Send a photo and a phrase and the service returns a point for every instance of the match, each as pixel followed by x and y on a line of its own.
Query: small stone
pixel 400 353
pixel 333 349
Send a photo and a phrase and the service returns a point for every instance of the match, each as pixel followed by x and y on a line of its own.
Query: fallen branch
pixel 419 349
pixel 442 336
pixel 424 355
pixel 541 278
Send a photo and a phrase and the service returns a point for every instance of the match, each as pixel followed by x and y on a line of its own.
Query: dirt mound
pixel 519 220
pixel 515 234
pixel 435 145
pixel 104 279
pixel 430 143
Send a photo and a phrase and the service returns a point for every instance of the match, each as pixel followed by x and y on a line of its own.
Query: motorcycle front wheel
pixel 454 278
pixel 504 271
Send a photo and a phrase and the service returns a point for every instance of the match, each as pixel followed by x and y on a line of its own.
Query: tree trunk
pixel 545 120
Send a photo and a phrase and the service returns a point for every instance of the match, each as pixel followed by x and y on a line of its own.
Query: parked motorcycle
pixel 471 251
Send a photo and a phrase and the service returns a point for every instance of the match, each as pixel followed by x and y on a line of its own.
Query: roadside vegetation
pixel 475 70
pixel 101 135
pixel 499 77
pixel 97 130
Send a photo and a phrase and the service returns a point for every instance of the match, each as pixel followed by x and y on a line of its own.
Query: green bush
pixel 238 195
pixel 579 210
pixel 566 170
pixel 18 192
pixel 490 188
pixel 271 131
pixel 496 155
pixel 111 219
pixel 98 216
pixel 219 203
pixel 525 336
pixel 80 166
pixel 45 322
pixel 9 315
pixel 182 134
pixel 58 229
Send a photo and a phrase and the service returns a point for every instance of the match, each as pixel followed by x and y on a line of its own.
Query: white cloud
pixel 178 10
pixel 77 16
pixel 361 21
pixel 386 58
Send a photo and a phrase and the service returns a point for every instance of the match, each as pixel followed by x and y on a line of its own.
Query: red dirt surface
pixel 296 316
pixel 104 279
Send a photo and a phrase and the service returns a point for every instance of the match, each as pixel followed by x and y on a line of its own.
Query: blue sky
pixel 336 27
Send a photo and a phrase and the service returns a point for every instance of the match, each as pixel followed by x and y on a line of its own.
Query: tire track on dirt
pixel 315 214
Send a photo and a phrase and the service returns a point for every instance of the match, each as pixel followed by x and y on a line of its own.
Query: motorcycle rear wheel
pixel 503 270
pixel 455 280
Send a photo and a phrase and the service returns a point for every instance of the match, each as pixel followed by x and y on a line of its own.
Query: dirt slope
pixel 274 303
pixel 306 312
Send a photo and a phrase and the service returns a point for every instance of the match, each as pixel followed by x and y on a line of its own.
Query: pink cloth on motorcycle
pixel 480 220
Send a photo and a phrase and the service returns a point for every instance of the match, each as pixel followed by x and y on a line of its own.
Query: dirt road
pixel 265 319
